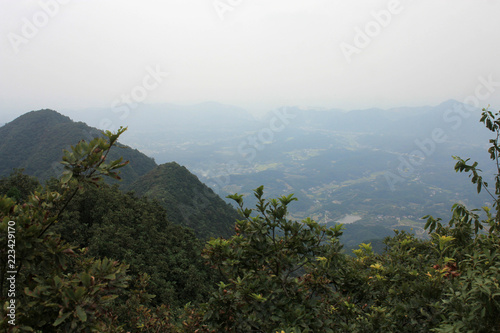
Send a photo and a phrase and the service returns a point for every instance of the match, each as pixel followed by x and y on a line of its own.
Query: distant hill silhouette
pixel 35 141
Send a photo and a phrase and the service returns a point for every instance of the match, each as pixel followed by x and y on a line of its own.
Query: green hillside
pixel 110 223
pixel 188 201
pixel 35 140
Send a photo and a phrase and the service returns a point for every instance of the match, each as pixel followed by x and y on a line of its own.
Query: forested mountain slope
pixel 35 141
pixel 188 201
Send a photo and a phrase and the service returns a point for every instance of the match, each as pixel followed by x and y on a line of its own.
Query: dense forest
pixel 83 255
pixel 187 201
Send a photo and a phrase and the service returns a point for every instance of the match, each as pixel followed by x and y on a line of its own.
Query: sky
pixel 258 54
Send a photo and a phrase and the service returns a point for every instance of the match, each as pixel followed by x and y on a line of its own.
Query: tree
pixel 291 276
pixel 18 185
pixel 449 283
pixel 136 231
pixel 53 286
pixel 473 303
pixel 269 269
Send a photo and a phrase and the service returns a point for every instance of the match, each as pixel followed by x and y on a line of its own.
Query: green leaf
pixel 80 291
pixel 108 298
pixel 66 176
pixel 61 318
pixel 57 282
pixel 86 279
pixel 82 315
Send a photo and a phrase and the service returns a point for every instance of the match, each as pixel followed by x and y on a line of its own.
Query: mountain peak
pixel 35 140
pixel 448 103
pixel 41 117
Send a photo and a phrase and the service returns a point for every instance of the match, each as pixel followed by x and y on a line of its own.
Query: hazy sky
pixel 256 54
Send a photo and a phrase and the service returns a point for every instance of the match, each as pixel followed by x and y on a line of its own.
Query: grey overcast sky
pixel 256 54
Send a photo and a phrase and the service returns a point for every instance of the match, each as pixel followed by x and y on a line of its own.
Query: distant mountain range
pixel 35 140
pixel 384 168
pixel 193 135
pixel 338 163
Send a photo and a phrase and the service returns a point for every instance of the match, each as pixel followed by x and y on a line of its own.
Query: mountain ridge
pixel 34 142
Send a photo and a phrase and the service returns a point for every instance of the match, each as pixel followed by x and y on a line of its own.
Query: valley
pixel 389 167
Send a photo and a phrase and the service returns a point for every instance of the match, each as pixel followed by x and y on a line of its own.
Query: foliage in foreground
pixel 277 275
pixel 57 287
pixel 136 231
pixel 448 283
pixel 271 271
